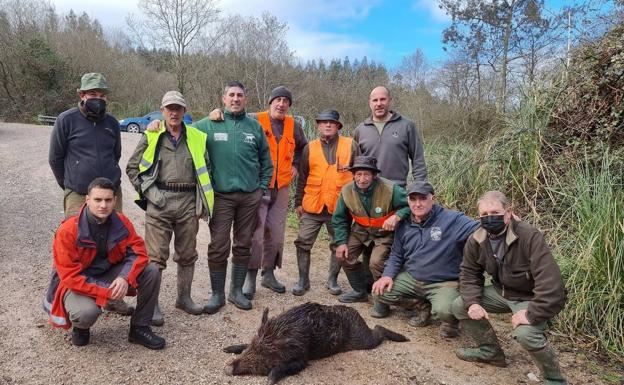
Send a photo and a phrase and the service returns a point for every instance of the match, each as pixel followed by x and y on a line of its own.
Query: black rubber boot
pixel 332 276
pixel 217 283
pixel 303 264
pixel 185 281
pixel 249 288
pixel 270 282
pixel 235 296
pixel 358 283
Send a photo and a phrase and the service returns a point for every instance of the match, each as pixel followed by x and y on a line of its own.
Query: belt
pixel 178 187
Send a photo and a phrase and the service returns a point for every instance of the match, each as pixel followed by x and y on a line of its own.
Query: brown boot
pixel 421 309
pixel 185 281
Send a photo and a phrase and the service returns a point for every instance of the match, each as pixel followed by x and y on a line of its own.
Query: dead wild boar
pixel 284 344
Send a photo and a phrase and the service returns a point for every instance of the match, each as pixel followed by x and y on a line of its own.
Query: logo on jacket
pixel 436 233
pixel 378 210
pixel 249 138
pixel 395 134
pixel 220 136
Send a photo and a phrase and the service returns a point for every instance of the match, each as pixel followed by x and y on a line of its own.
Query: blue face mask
pixel 493 224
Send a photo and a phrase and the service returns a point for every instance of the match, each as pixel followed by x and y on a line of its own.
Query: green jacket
pixel 342 220
pixel 239 153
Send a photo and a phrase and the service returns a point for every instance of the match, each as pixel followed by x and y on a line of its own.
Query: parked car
pixel 138 125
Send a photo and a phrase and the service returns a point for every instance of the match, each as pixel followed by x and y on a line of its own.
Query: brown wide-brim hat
pixel 329 115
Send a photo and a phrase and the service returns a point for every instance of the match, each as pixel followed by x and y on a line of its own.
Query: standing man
pixel 86 144
pixel 169 170
pixel 374 205
pixel 286 142
pixel 98 257
pixel 391 138
pixel 322 173
pixel 425 257
pixel 526 282
pixel 241 172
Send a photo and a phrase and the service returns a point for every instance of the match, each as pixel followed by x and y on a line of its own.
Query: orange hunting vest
pixel 281 154
pixel 325 180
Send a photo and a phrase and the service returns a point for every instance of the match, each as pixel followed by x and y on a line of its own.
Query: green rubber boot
pixel 332 276
pixel 488 349
pixel 236 296
pixel 303 264
pixel 217 283
pixel 548 364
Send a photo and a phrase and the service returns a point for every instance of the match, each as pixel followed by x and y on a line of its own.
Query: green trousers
pixel 440 294
pixel 530 337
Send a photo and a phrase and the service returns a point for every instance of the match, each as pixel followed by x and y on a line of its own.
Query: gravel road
pixel 31 352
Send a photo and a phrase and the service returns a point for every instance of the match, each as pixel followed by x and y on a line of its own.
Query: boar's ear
pixel 265 316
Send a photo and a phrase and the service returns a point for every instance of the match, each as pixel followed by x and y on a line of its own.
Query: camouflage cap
pixel 173 97
pixel 93 81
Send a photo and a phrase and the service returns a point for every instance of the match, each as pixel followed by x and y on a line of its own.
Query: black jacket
pixel 82 150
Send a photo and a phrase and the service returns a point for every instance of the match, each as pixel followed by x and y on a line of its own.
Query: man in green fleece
pixel 241 170
pixel 374 205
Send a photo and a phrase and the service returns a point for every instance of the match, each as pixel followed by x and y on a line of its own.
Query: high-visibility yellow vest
pixel 196 142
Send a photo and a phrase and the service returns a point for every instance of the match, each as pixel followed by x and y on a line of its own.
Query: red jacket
pixel 74 250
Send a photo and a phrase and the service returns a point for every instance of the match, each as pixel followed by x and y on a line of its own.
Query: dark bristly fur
pixel 284 344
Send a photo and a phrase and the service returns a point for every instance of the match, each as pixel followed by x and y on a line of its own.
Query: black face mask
pixel 95 108
pixel 493 224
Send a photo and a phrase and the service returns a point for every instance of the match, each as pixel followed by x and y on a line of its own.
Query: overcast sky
pixel 384 31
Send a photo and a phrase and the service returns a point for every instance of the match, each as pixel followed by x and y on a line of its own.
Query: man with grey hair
pixel 526 282
pixel 169 170
pixel 86 144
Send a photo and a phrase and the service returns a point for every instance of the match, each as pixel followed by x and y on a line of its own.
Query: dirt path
pixel 31 352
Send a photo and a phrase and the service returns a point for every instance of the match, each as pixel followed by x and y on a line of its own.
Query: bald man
pixel 391 138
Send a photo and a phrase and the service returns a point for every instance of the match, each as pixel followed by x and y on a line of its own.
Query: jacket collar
pixel 510 237
pixel 237 116
pixel 116 232
pixel 432 214
pixel 395 116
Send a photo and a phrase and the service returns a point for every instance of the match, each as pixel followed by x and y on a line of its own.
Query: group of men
pixel 235 169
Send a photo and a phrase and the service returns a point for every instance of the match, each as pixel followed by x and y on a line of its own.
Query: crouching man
pixel 526 282
pixel 98 257
pixel 425 257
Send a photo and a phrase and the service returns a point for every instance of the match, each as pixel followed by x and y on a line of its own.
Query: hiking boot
pixel 449 330
pixel 270 282
pixel 185 281
pixel 548 364
pixel 217 283
pixel 488 349
pixel 380 309
pixel 143 335
pixel 332 276
pixel 80 337
pixel 303 264
pixel 358 283
pixel 249 287
pixel 119 306
pixel 235 295
pixel 158 319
